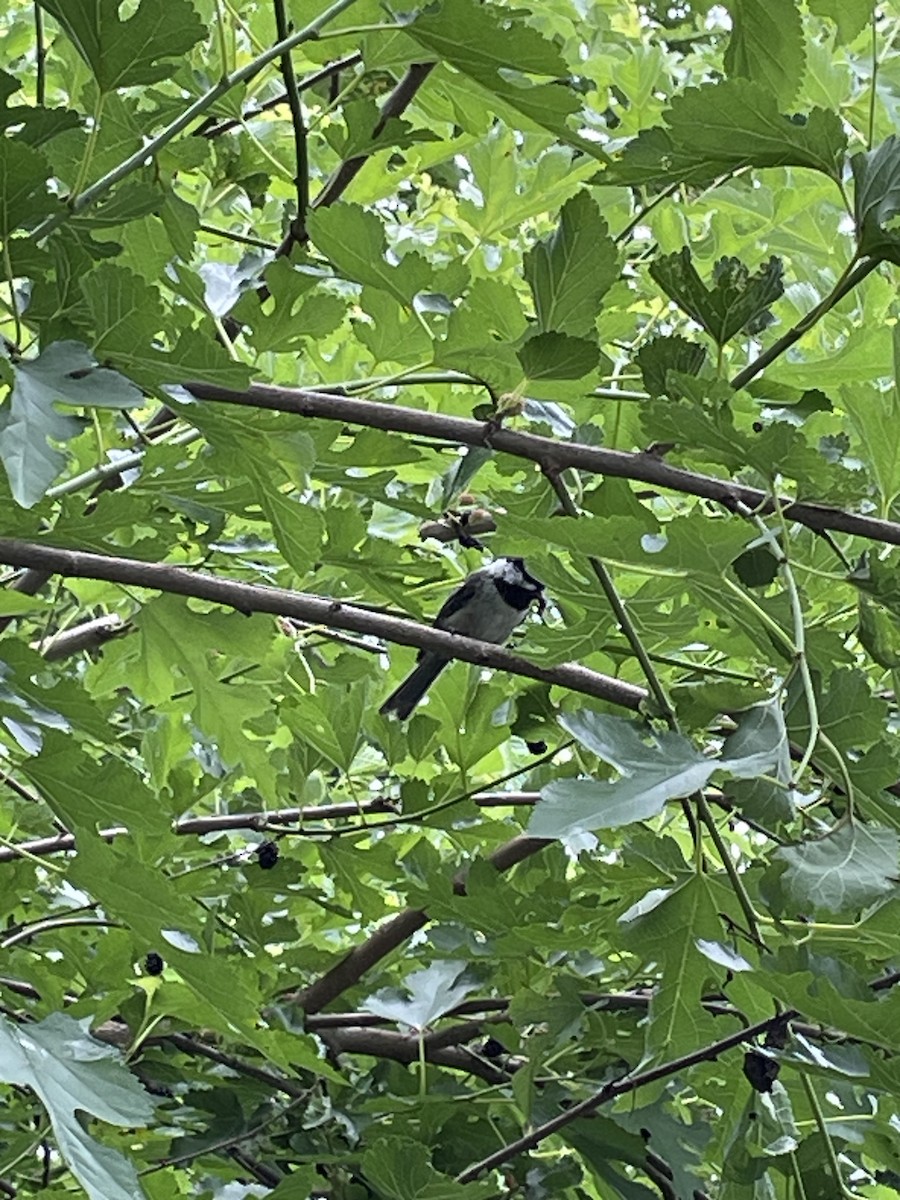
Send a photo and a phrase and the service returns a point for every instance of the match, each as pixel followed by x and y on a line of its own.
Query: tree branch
pixel 396 931
pixel 404 1048
pixel 301 154
pixel 415 76
pixel 550 455
pixel 611 1091
pixel 253 598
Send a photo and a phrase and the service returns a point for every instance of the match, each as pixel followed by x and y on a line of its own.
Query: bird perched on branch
pixel 488 605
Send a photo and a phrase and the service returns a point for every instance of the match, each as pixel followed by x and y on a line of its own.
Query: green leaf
pixel 353 239
pixel 879 633
pixel 139 50
pixel 668 930
pixel 73 1074
pixel 432 992
pixel 570 271
pixel 759 745
pixel 661 355
pixel 721 127
pixel 479 337
pixel 361 117
pixel 400 1168
pixel 876 175
pixel 297 311
pixel 766 45
pixel 481 42
pixel 24 197
pixel 393 335
pixel 874 415
pixel 86 796
pixel 850 16
pixel 737 300
pixel 842 872
pixel 558 356
pixel 64 373
pixel 653 768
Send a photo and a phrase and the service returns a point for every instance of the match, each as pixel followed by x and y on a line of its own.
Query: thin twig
pixel 211 128
pixel 301 152
pixel 611 1091
pixel 395 104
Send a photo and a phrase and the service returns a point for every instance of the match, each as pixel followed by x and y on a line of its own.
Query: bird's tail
pixel 414 686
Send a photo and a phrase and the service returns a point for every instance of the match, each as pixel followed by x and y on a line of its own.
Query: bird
pixel 487 605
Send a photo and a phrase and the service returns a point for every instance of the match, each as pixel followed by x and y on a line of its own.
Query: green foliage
pixel 260 939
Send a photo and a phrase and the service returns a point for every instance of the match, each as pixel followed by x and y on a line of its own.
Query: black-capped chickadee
pixel 488 605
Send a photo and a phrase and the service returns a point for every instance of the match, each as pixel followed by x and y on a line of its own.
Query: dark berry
pixel 267 853
pixel 153 963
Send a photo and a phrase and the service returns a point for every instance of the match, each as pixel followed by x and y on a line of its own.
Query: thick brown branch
pixel 404 1048
pixel 396 931
pixel 252 598
pixel 354 965
pixel 552 456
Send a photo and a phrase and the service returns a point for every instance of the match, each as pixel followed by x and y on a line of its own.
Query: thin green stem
pixel 799 648
pixel 769 622
pixel 822 1126
pixel 854 273
pixel 619 611
pixel 242 239
pixel 91 144
pixel 423 1066
pixel 491 786
pixel 11 284
pixel 642 213
pixel 870 139
pixel 797 1175
pixel 734 876
pixel 126 463
pixel 844 771
pixel 78 203
pixel 220 34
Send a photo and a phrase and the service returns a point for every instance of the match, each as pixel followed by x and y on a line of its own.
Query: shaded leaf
pixel 876 202
pixel 353 239
pixel 433 991
pixel 721 127
pixel 736 299
pixel 842 872
pixel 558 356
pixel 64 373
pixel 657 357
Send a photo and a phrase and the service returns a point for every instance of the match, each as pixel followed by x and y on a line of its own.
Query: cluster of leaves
pixel 575 223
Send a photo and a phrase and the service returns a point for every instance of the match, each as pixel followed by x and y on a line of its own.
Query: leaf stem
pixel 621 614
pixel 734 876
pixel 799 646
pixel 822 1126
pixel 854 273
